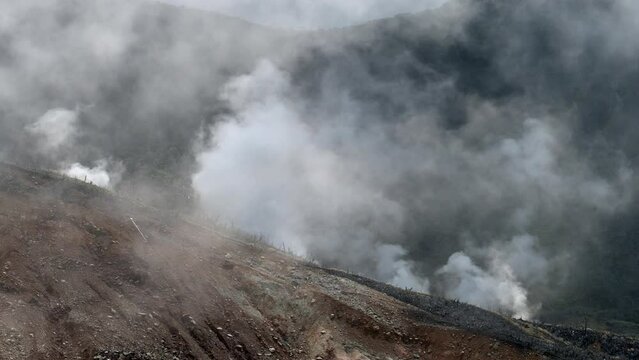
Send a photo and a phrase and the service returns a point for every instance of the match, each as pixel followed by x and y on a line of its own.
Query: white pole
pixel 140 231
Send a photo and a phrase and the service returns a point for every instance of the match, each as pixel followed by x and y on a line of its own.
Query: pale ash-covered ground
pixel 77 281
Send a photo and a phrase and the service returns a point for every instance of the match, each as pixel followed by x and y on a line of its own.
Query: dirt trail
pixel 77 281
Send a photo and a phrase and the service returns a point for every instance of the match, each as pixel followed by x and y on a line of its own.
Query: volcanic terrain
pixel 78 281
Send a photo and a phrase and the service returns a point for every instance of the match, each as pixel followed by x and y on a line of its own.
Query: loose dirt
pixel 77 281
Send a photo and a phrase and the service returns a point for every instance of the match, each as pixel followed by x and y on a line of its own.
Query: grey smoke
pixel 309 14
pixel 325 188
pixel 481 146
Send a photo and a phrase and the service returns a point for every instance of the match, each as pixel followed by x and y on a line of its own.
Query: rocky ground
pixel 77 281
pixel 611 344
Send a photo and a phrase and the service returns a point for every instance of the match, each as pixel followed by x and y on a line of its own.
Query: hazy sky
pixel 310 13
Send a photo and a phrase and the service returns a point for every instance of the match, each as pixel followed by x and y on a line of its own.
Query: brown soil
pixel 77 281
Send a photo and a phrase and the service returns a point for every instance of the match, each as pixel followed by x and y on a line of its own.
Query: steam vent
pixel 319 179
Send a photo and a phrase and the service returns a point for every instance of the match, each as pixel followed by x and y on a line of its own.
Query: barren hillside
pixel 78 281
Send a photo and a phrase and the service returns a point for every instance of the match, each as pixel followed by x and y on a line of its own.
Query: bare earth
pixel 77 281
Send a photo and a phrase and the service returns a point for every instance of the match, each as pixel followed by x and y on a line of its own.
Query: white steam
pixel 499 286
pixel 97 175
pixel 379 161
pixel 270 172
pixel 399 272
pixel 318 181
pixel 494 289
pixel 55 129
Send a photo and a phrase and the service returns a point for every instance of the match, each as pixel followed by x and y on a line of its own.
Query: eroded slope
pixel 78 281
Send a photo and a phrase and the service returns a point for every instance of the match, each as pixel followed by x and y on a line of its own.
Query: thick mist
pixel 119 87
pixel 309 14
pixel 484 151
pixel 419 151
